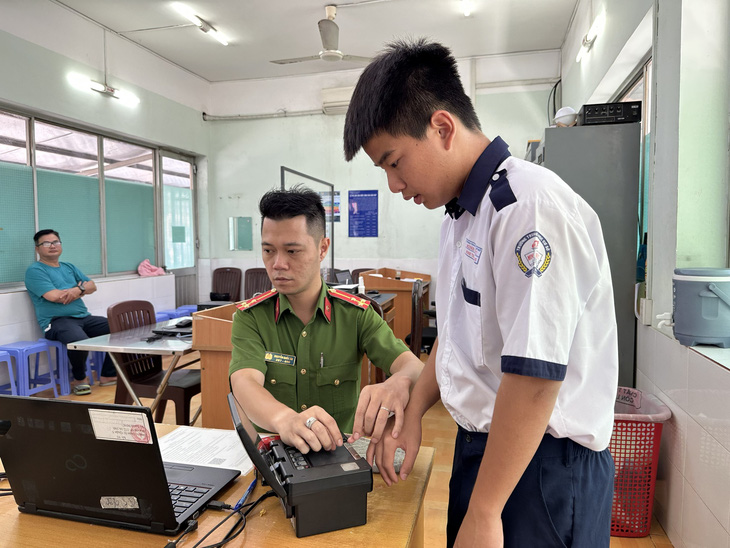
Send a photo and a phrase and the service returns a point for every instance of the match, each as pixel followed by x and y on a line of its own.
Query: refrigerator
pixel 602 164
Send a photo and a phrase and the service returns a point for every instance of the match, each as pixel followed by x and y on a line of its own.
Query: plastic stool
pixel 22 351
pixel 94 362
pixel 188 308
pixel 61 365
pixel 11 386
pixel 160 317
pixel 174 313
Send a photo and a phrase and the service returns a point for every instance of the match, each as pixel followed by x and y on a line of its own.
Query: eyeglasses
pixel 49 244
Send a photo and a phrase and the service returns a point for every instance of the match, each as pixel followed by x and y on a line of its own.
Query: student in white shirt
pixel 526 361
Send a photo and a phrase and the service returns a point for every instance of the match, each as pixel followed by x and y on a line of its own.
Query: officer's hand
pixel 383 452
pixel 377 403
pixel 322 432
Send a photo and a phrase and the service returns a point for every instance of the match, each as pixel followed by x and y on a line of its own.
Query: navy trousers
pixel 563 499
pixel 67 330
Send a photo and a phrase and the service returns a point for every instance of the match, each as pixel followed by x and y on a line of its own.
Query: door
pixel 179 236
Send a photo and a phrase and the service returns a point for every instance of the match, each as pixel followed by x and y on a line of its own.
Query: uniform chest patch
pixel 533 254
pixel 473 251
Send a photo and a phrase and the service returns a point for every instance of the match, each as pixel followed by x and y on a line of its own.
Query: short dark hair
pixel 399 91
pixel 279 205
pixel 44 232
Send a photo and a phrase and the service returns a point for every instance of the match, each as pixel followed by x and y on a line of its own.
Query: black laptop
pixel 182 327
pixel 321 491
pixel 99 463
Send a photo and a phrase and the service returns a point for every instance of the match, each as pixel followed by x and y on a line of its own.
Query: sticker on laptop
pixel 119 503
pixel 276 357
pixel 126 426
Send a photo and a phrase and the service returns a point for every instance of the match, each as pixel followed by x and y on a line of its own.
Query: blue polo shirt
pixel 41 278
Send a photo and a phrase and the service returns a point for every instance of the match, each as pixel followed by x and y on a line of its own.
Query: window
pixel 129 205
pixel 17 205
pixel 67 163
pixel 640 90
pixel 99 193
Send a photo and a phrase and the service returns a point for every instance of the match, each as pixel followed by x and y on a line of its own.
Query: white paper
pixel 126 426
pixel 205 446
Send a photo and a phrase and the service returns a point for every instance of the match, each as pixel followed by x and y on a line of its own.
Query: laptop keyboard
pixel 184 496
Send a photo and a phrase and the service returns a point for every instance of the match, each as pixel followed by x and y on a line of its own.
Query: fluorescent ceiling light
pixel 188 13
pixel 591 35
pixel 83 83
pixel 466 7
pixel 201 23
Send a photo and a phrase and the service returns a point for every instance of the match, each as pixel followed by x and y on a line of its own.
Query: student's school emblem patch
pixel 533 254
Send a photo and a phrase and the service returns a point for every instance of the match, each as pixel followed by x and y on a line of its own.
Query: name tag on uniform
pixel 275 357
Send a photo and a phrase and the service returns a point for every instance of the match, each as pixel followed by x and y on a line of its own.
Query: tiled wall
pixel 17 317
pixel 692 498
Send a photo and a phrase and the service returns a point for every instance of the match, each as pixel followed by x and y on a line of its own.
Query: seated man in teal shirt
pixel 56 288
pixel 298 349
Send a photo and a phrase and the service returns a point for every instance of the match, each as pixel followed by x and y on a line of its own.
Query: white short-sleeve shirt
pixel 525 288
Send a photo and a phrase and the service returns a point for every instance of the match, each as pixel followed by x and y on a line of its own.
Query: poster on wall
pixel 363 213
pixel 327 203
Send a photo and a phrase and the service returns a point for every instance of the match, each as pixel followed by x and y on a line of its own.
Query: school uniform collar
pixel 477 182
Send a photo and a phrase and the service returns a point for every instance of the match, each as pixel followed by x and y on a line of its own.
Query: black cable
pixel 237 527
pixel 192 525
pixel 547 106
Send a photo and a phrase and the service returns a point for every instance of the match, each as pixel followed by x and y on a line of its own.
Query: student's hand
pixel 480 532
pixel 377 403
pixel 323 434
pixel 383 451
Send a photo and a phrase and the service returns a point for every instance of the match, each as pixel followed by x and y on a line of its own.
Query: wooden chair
pixel 356 273
pixel 421 337
pixel 255 281
pixel 371 374
pixel 145 371
pixel 227 281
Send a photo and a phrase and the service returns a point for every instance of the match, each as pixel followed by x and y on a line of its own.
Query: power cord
pixel 238 527
pixel 192 525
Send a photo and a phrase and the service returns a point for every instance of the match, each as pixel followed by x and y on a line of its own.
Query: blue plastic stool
pixel 174 313
pixel 188 309
pixel 11 387
pixel 94 362
pixel 61 365
pixel 160 317
pixel 22 351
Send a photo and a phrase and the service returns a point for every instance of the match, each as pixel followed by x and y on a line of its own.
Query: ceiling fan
pixel 330 33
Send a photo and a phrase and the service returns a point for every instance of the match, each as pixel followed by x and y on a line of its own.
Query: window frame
pixel 100 135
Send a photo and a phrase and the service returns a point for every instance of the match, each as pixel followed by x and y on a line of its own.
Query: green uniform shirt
pixel 316 364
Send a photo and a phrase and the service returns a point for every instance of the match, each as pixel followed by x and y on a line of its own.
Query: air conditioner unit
pixel 336 100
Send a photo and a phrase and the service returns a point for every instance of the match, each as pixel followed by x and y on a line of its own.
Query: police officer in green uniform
pixel 297 349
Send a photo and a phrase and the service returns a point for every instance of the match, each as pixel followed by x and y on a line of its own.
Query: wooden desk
pixel 395 519
pixel 369 373
pixel 403 289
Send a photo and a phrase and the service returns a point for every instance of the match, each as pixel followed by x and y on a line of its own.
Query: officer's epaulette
pixel 253 301
pixel 350 298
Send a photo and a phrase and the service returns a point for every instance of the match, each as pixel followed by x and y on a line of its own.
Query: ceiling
pixel 260 31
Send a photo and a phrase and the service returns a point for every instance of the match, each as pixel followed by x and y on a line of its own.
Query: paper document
pixel 205 446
